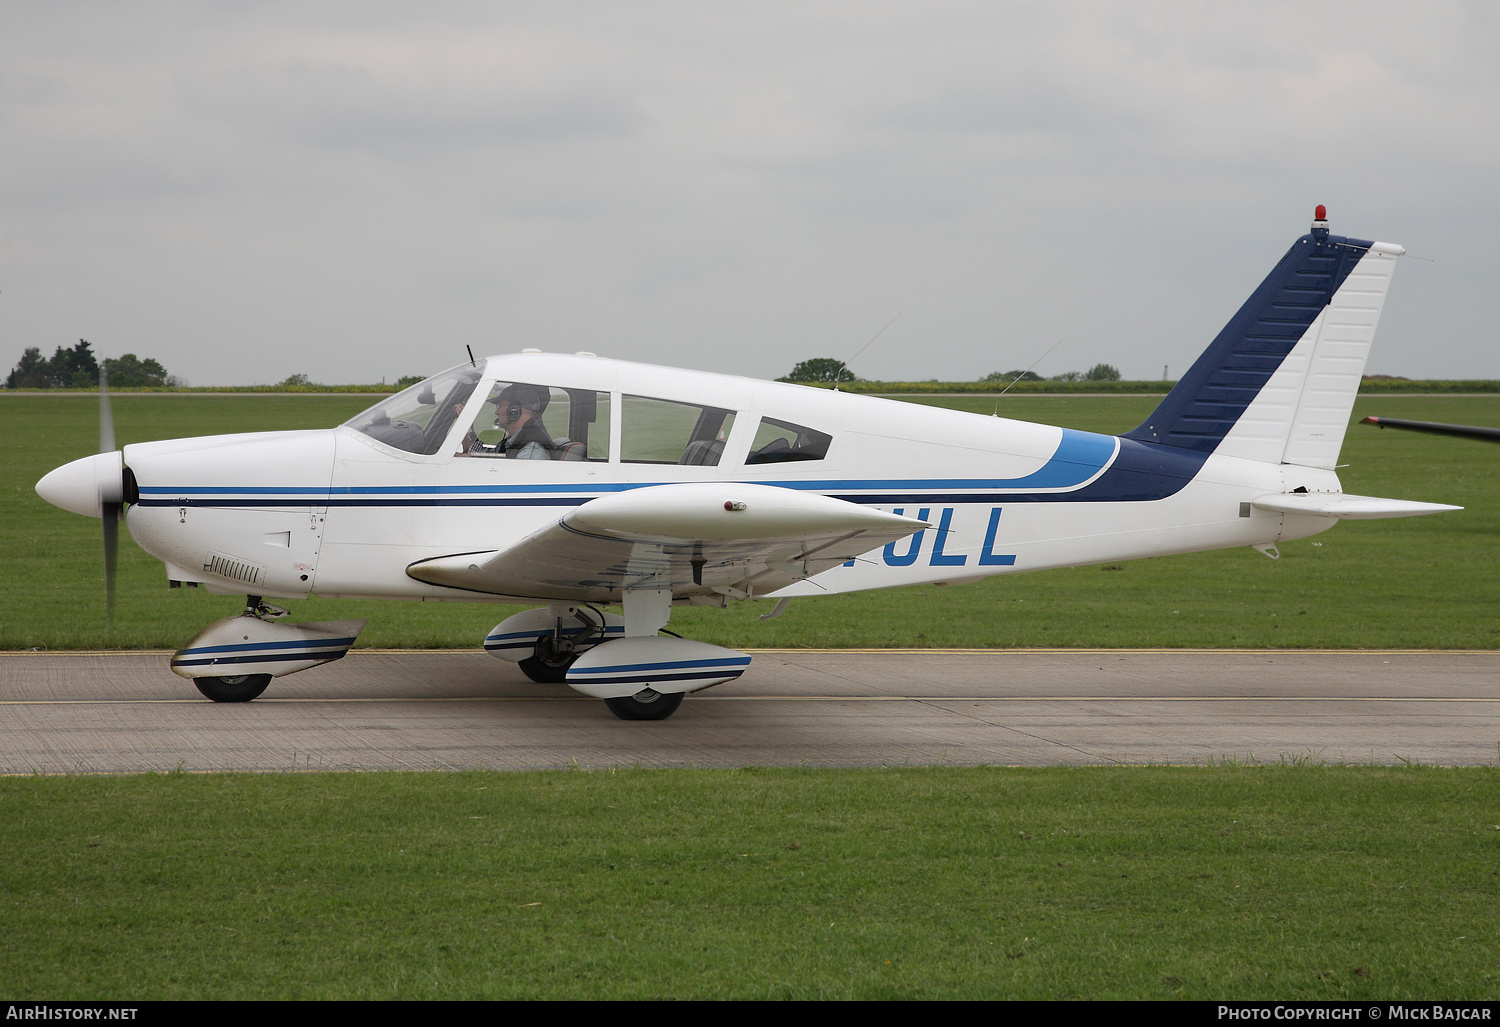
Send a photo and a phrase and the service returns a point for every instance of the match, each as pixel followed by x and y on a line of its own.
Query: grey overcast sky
pixel 356 190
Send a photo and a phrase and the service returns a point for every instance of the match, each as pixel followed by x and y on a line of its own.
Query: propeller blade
pixel 106 416
pixel 111 547
pixel 110 510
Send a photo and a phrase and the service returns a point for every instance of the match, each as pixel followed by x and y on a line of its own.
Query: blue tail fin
pixel 1307 310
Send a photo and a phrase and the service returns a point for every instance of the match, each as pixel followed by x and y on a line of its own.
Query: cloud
pixel 410 107
pixel 251 190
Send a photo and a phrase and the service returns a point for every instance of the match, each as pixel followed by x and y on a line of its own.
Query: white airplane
pixel 579 483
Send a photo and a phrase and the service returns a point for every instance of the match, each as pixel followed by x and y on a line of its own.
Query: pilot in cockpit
pixel 518 413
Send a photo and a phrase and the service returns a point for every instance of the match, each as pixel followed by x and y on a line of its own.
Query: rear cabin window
pixel 659 431
pixel 782 442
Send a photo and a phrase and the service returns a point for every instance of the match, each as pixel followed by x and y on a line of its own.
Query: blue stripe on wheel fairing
pixel 733 661
pixel 525 639
pixel 318 643
pixel 324 655
pixel 647 679
pixel 539 632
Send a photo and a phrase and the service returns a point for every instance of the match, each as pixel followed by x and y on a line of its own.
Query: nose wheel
pixel 239 688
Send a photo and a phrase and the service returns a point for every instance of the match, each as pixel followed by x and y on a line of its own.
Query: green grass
pixel 1208 883
pixel 1423 582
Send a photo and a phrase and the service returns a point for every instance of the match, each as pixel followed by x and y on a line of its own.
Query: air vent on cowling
pixel 235 569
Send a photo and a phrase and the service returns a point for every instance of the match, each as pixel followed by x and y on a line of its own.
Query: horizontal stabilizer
pixel 1345 507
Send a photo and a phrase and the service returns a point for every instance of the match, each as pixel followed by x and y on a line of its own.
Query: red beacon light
pixel 1320 223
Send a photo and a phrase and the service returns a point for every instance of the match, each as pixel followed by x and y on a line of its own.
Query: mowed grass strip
pixel 1427 582
pixel 1211 882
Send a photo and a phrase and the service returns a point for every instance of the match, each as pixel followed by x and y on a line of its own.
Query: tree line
pixel 78 368
pixel 826 369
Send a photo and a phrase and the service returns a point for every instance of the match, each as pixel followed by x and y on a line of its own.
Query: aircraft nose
pixel 84 486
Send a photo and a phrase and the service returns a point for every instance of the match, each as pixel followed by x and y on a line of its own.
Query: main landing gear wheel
pixel 241 688
pixel 647 704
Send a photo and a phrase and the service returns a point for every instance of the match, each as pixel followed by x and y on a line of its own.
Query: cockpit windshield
pixel 419 419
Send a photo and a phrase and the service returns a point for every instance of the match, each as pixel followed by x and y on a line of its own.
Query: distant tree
pixel 30 372
pixel 1011 376
pixel 1102 373
pixel 74 368
pixel 130 371
pixel 407 380
pixel 69 368
pixel 821 369
pixel 293 380
pixel 1068 376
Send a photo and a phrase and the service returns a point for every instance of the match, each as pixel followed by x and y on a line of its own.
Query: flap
pixel 730 538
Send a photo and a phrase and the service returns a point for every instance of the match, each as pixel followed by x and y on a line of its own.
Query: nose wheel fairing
pixel 249 645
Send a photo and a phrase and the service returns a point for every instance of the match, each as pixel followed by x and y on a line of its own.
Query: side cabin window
pixel 659 431
pixel 521 421
pixel 418 419
pixel 781 441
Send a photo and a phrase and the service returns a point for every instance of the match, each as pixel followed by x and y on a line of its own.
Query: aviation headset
pixel 511 406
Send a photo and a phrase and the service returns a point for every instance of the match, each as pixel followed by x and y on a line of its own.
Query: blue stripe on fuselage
pixel 1133 471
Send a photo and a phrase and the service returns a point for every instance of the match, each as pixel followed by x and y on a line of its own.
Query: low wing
pixel 732 539
pixel 1345 507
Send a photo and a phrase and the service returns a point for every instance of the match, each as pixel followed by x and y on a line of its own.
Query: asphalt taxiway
pixel 409 710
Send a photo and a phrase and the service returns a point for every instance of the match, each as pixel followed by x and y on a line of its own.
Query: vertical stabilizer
pixel 1278 383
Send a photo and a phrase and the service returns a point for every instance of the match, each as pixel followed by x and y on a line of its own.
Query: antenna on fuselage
pixel 471 355
pixel 1023 374
pixel 842 367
